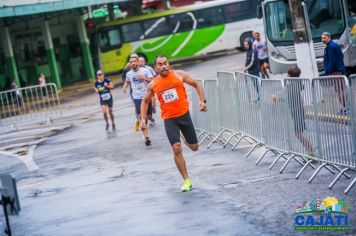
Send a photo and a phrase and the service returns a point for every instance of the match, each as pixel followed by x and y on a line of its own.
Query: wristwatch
pixel 204 101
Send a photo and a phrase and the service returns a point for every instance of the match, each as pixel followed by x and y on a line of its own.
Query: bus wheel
pixel 243 37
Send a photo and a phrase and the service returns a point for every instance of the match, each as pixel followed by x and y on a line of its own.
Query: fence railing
pixel 29 103
pixel 310 121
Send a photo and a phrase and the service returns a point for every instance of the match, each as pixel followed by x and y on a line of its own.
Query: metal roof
pixel 10 8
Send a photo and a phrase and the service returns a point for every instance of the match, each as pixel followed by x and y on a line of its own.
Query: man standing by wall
pixel 334 65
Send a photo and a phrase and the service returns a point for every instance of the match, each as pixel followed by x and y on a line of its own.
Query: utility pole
pixel 303 41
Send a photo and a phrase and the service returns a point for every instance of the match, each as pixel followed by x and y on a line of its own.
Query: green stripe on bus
pixel 201 38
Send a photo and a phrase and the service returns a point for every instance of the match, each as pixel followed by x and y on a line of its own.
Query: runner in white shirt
pixel 142 63
pixel 261 46
pixel 138 78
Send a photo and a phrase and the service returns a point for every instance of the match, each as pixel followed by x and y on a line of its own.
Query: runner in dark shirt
pixel 102 87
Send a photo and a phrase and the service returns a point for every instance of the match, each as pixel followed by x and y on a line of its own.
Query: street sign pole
pixel 4 202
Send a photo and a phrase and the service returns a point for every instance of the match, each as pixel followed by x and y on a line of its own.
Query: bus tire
pixel 243 37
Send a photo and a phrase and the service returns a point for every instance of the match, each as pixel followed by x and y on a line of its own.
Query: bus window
pixel 132 32
pixel 181 22
pixel 209 17
pixel 109 38
pixel 325 15
pixel 352 20
pixel 278 22
pixel 238 11
pixel 156 27
pixel 352 7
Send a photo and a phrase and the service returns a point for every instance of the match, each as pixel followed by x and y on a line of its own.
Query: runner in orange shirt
pixel 171 93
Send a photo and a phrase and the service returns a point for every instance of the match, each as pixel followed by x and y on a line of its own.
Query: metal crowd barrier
pixel 228 110
pixel 210 126
pixel 29 104
pixel 249 109
pixel 295 119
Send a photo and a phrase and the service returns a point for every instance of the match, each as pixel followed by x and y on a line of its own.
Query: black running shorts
pixel 108 103
pixel 185 125
pixel 138 107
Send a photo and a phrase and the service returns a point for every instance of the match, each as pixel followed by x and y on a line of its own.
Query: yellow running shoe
pixel 187 185
pixel 137 126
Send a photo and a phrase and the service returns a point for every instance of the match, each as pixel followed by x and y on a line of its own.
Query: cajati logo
pixel 328 214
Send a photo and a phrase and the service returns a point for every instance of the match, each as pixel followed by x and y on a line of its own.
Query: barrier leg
pixel 237 143
pixel 305 160
pixel 286 163
pixel 277 159
pixel 262 156
pixel 317 171
pixel 202 133
pixel 252 149
pixel 229 139
pixel 303 168
pixel 337 177
pixel 350 186
pixel 206 136
pixel 216 138
pixel 339 169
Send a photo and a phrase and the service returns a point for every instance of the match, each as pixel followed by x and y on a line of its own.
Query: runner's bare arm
pixel 96 90
pixel 149 79
pixel 144 104
pixel 126 85
pixel 110 85
pixel 192 82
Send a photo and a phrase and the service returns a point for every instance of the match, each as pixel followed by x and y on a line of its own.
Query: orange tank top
pixel 171 95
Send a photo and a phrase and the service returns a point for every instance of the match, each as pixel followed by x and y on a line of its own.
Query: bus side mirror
pixel 259 12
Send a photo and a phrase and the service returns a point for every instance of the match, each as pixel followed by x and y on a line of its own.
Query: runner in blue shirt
pixel 102 87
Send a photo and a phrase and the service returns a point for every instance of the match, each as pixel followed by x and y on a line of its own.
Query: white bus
pixel 178 33
pixel 335 16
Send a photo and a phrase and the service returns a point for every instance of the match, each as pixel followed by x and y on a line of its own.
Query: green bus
pixel 178 33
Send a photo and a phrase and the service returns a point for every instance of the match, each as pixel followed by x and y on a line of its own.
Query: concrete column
pixel 84 43
pixel 65 59
pixel 50 54
pixel 9 54
pixel 303 42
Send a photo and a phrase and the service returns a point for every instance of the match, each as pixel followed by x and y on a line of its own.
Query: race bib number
pixel 170 95
pixel 139 88
pixel 105 96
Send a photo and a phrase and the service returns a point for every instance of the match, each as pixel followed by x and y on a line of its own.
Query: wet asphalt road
pixel 93 182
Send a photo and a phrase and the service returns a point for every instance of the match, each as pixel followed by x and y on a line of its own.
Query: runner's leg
pixel 105 114
pixel 188 132
pixel 172 131
pixel 179 160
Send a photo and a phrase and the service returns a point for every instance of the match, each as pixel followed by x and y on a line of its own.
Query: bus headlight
pixel 276 55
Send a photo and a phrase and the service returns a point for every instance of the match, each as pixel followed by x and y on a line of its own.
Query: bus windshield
pixel 324 15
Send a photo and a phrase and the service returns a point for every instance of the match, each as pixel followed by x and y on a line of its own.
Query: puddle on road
pixel 46 192
pixel 22 152
pixel 218 164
